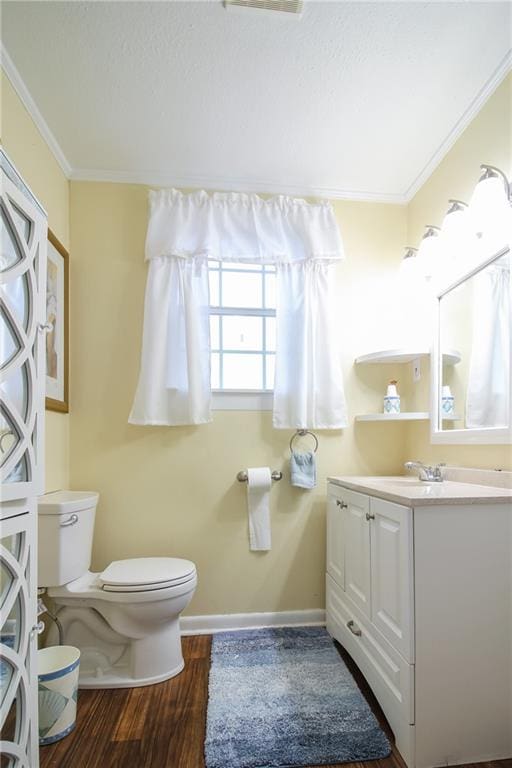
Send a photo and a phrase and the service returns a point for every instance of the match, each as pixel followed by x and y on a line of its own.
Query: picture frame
pixel 57 319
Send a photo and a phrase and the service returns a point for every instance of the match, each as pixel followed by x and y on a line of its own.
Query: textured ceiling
pixel 352 99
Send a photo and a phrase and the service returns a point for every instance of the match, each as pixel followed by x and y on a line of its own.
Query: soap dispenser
pixel 447 401
pixel 392 398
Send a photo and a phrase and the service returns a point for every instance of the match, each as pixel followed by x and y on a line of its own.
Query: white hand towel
pixel 259 481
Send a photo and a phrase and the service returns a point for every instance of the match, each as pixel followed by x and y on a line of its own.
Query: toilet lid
pixel 146 573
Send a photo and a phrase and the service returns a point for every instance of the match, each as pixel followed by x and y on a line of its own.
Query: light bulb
pixel 457 242
pixel 429 254
pixel 490 215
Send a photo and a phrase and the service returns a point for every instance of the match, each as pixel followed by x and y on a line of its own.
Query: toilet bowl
pixel 124 620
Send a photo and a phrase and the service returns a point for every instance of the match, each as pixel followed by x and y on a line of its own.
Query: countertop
pixel 411 492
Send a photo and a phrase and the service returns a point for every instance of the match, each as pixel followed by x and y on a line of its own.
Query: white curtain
pixel 302 240
pixel 308 387
pixel 488 394
pixel 174 380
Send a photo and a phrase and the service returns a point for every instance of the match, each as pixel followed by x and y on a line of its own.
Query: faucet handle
pixel 438 475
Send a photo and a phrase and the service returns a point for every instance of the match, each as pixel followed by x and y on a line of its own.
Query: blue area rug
pixel 284 697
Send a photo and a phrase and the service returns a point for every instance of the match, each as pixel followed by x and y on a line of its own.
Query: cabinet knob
pixel 369 516
pixel 355 630
pixel 341 504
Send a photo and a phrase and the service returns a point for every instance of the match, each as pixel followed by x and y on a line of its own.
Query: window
pixel 242 326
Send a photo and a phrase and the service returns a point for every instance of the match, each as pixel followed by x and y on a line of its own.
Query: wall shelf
pixel 403 355
pixel 406 355
pixel 405 416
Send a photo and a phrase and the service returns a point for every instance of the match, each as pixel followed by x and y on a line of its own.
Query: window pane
pixel 213 277
pixel 241 332
pixel 213 264
pixel 215 370
pixel 243 371
pixel 270 291
pixel 214 332
pixel 270 363
pixel 241 289
pixel 270 334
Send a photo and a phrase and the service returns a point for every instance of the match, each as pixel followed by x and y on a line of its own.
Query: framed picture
pixel 57 319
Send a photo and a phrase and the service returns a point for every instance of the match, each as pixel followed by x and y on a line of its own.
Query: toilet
pixel 124 620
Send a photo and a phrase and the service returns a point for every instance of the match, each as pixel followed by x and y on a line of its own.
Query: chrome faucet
pixel 426 473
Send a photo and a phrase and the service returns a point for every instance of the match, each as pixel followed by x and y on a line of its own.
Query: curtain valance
pixel 239 227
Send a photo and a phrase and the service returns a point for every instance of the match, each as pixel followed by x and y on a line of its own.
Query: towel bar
pixel 302 433
pixel 242 476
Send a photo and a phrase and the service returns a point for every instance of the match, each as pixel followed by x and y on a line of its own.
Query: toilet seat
pixel 89 587
pixel 145 574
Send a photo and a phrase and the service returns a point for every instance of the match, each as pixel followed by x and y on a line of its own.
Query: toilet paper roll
pixel 259 481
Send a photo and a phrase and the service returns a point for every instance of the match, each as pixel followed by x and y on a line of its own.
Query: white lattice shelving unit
pixel 22 380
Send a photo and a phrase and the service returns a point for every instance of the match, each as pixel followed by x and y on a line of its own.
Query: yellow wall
pixel 36 164
pixel 488 139
pixel 172 491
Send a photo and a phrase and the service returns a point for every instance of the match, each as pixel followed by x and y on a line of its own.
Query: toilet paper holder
pixel 242 476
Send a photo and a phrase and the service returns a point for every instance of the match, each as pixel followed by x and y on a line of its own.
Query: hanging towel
pixel 303 469
pixel 259 481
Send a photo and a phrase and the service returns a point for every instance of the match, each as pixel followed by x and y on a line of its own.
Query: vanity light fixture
pixel 410 253
pixel 490 209
pixel 432 231
pixel 456 206
pixel 456 243
pixel 408 271
pixel 428 250
pixel 491 172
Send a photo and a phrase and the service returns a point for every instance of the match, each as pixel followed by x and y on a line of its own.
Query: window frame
pixel 241 399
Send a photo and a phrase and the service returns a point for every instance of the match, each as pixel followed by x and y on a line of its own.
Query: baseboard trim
pixel 208 625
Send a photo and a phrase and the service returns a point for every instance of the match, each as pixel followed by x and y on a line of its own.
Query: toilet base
pixel 111 660
pixel 109 680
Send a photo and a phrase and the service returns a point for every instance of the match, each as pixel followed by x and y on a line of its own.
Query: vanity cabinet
pixel 370 545
pixel 419 596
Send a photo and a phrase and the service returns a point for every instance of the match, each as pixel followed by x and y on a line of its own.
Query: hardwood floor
pixel 162 726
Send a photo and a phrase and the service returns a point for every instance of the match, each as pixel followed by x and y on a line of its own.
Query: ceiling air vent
pixel 284 6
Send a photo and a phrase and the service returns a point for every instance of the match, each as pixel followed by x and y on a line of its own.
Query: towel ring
pixel 302 433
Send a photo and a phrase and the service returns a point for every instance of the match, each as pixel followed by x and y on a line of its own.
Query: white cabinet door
pixel 18 633
pixel 356 531
pixel 335 542
pixel 391 574
pixel 22 338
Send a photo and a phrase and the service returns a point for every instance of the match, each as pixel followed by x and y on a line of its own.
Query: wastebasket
pixel 58 668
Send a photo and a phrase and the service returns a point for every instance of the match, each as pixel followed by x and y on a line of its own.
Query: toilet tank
pixel 65 531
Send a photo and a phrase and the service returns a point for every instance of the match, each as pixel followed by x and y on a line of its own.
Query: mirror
pixel 472 401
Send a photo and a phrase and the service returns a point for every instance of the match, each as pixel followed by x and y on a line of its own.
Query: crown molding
pixel 28 102
pixel 497 77
pixel 163 179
